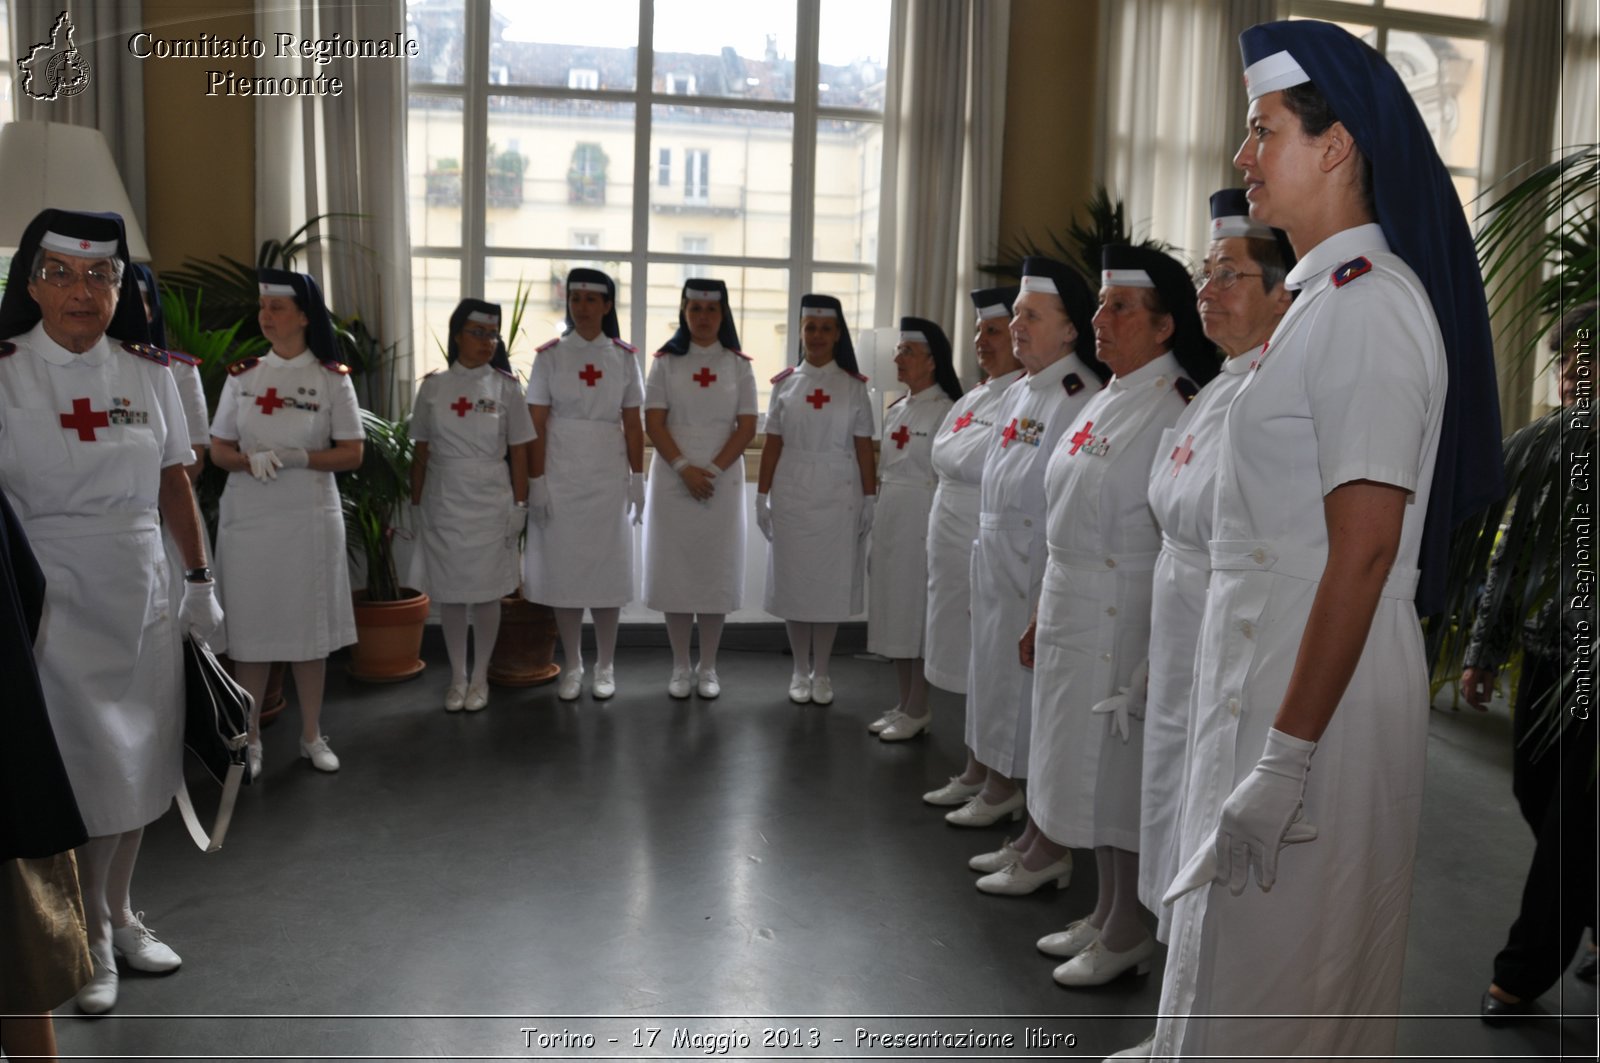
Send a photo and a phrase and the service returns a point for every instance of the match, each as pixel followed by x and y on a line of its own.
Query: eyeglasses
pixel 1222 279
pixel 481 333
pixel 58 276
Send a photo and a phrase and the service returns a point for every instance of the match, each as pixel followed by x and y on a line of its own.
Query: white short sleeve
pixel 346 411
pixel 175 449
pixel 519 424
pixel 861 413
pixel 655 392
pixel 633 388
pixel 539 380
pixel 422 413
pixel 748 404
pixel 775 411
pixel 192 393
pixel 225 425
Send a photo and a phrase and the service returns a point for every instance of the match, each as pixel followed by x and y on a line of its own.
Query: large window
pixel 654 139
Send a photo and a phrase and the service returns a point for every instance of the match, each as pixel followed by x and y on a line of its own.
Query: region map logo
pixel 55 68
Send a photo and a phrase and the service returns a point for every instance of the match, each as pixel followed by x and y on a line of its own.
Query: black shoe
pixel 1585 971
pixel 1495 1012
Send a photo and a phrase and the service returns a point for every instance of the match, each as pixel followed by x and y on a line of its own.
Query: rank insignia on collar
pixel 508 374
pixel 630 348
pixel 147 352
pixel 336 367
pixel 1073 383
pixel 1348 272
pixel 546 345
pixel 1187 388
pixel 7 349
pixel 243 365
pixel 180 356
pixel 783 375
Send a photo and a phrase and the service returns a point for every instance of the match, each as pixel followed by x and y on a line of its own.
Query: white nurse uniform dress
pixel 897 604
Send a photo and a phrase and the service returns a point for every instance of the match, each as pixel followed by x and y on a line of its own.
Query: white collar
pixel 1162 369
pixel 707 351
pixel 1335 251
pixel 1240 364
pixel 1054 373
pixel 277 360
pixel 55 354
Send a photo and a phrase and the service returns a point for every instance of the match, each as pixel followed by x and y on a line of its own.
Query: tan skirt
pixel 47 945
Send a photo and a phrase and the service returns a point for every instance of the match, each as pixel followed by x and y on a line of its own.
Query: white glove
pixel 516 521
pixel 1262 815
pixel 292 458
pixel 1128 703
pixel 539 500
pixel 864 517
pixel 199 614
pixel 764 515
pixel 636 497
pixel 264 465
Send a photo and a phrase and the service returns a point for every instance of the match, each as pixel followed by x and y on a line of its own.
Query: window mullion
pixel 804 179
pixel 474 149
pixel 643 119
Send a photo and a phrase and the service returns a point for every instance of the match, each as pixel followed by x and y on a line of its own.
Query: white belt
pixel 71 526
pixel 1199 560
pixel 1102 562
pixel 1009 521
pixel 960 488
pixel 1259 555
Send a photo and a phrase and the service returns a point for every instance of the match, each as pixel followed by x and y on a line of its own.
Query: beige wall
pixel 1050 114
pixel 199 150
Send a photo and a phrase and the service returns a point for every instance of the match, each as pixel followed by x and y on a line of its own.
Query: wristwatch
pixel 198 575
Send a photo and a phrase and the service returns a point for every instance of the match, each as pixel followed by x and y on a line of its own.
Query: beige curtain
pixel 1173 110
pixel 114 100
pixel 345 155
pixel 951 122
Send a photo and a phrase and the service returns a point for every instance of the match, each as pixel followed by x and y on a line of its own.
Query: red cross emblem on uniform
pixel 270 402
pixel 84 421
pixel 1082 436
pixel 1009 434
pixel 1181 456
pixel 961 422
pixel 817 398
pixel 461 406
pixel 901 437
pixel 590 374
pixel 704 377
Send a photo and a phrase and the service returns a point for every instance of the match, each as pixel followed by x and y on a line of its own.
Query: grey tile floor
pixel 542 861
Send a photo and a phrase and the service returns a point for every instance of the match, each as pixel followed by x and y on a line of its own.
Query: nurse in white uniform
pixel 92 449
pixel 815 494
pixel 587 469
pixel 285 423
pixel 958 452
pixel 1241 298
pixel 1054 340
pixel 470 477
pixel 700 414
pixel 1092 635
pixel 898 567
pixel 1311 704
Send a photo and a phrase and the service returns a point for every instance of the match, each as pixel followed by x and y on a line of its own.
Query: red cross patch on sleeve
pixel 1356 267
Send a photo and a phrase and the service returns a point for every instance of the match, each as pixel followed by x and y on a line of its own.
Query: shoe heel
pixel 1063 881
pixel 1141 968
pixel 1016 814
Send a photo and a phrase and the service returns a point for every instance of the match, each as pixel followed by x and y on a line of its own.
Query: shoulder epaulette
pixel 783 375
pixel 740 354
pixel 243 365
pixel 898 401
pixel 1348 272
pixel 430 373
pixel 7 349
pixel 336 367
pixel 630 348
pixel 1187 388
pixel 508 374
pixel 149 353
pixel 546 345
pixel 185 358
pixel 1073 383
pixel 858 376
pixel 663 351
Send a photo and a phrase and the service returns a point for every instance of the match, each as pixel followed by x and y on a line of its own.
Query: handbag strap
pixel 211 842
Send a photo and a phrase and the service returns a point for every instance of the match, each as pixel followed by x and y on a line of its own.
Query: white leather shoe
pixel 905 727
pixel 709 686
pixel 142 949
pixel 1014 880
pixel 979 813
pixel 680 685
pixel 799 689
pixel 605 683
pixel 253 756
pixel 1097 965
pixel 954 792
pixel 1074 939
pixel 477 698
pixel 821 690
pixel 100 994
pixel 876 726
pixel 455 699
pixel 319 754
pixel 989 863
pixel 1142 1050
pixel 571 684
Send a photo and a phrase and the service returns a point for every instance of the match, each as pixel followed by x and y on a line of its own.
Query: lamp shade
pixel 52 164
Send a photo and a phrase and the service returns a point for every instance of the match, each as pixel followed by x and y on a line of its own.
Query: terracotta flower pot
pixel 524 654
pixel 388 638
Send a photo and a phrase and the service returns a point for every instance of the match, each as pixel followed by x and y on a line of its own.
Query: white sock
pixel 485 632
pixel 453 618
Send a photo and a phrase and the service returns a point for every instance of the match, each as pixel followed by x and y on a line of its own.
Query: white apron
pixel 469 418
pixel 583 558
pixel 1094 610
pixel 281 565
pixel 1351 388
pixel 87 494
pixel 694 551
pixel 816 563
pixel 1009 557
pixel 1182 478
pixel 898 572
pixel 958 453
